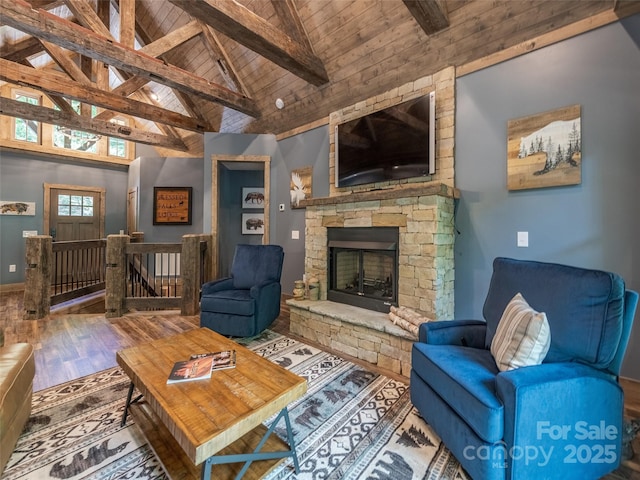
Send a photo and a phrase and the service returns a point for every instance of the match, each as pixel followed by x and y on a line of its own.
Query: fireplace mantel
pixel 439 189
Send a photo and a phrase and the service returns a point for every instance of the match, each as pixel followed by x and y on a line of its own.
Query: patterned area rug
pixel 351 424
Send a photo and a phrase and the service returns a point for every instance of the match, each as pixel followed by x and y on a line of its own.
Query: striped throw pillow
pixel 522 337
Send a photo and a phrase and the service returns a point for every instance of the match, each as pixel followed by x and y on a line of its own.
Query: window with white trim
pixel 64 137
pixel 27 130
pixel 118 146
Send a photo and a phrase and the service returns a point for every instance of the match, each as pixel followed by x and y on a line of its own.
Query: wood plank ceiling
pixel 184 67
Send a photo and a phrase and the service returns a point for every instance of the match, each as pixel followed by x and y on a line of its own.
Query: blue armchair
pixel 246 303
pixel 561 418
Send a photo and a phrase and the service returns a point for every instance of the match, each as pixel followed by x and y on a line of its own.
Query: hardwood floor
pixel 80 340
pixel 72 345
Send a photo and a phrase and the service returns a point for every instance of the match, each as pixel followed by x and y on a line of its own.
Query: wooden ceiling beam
pixel 172 40
pixel 245 27
pixel 18 14
pixel 16 52
pixel 55 83
pixel 157 49
pixel 46 4
pixel 57 100
pixel 14 108
pixel 128 23
pixel 61 57
pixel 161 46
pixel 219 55
pixel 87 17
pixel 103 11
pixel 431 15
pixel 288 15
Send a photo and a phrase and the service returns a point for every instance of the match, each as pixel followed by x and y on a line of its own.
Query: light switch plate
pixel 295 234
pixel 523 239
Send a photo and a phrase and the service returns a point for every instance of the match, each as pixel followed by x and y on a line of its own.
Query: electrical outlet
pixel 281 207
pixel 12 268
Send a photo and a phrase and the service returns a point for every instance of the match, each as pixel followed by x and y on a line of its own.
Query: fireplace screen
pixel 363 272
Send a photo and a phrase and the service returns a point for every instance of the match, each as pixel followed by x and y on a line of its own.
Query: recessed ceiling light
pixel 279 103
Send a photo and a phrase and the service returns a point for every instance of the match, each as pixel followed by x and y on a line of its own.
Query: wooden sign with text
pixel 172 205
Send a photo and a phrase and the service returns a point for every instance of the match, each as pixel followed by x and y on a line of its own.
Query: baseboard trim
pixel 12 287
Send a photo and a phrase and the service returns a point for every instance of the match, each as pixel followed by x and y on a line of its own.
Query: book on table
pixel 200 366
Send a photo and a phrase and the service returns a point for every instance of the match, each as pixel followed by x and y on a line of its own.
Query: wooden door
pixel 132 211
pixel 75 214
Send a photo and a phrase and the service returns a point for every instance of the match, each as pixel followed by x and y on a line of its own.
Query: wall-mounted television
pixel 390 144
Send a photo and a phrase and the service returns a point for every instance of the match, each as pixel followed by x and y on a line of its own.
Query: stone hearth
pixel 424 217
pixel 363 334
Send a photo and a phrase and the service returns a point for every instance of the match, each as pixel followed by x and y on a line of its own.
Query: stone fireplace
pixel 423 217
pixel 363 267
pixel 421 211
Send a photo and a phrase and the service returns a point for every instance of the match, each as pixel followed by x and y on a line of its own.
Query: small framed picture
pixel 253 197
pixel 17 208
pixel 253 223
pixel 300 185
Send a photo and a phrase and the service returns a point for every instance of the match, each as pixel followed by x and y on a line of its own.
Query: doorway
pixel 74 212
pixel 235 162
pixel 132 211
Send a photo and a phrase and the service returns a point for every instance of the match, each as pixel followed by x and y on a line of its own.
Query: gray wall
pixel 169 172
pixel 230 213
pixel 234 145
pixel 22 176
pixel 595 224
pixel 307 149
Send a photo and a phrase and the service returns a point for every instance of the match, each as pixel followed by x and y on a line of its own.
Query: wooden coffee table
pixel 216 421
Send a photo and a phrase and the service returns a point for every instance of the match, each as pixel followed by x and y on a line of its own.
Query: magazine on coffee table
pixel 200 366
pixel 192 369
pixel 221 360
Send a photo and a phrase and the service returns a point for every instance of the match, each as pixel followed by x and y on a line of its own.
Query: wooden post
pixel 37 285
pixel 207 275
pixel 137 237
pixel 116 275
pixel 190 273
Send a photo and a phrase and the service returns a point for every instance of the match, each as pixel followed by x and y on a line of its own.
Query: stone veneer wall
pixel 424 217
pixel 443 83
pixel 422 208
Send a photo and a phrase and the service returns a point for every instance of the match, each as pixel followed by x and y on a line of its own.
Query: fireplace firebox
pixel 363 266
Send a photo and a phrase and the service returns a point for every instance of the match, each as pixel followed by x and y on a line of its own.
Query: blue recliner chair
pixel 246 303
pixel 559 419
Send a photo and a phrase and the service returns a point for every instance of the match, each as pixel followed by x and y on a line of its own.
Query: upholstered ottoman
pixel 17 369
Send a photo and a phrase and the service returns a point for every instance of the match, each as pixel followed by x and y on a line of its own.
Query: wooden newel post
pixel 190 273
pixel 37 281
pixel 116 275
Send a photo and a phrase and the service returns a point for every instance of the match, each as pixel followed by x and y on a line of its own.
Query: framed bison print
pixel 252 223
pixel 17 208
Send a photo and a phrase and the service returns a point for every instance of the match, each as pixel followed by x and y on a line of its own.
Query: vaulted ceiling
pixel 185 67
